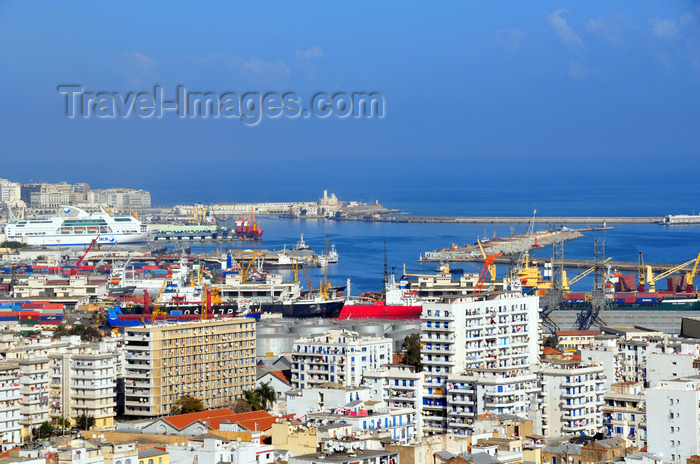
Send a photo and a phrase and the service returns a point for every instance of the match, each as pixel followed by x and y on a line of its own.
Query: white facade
pixel 9 405
pixel 673 427
pixel 572 398
pixel 339 357
pixel 624 413
pixel 492 338
pixel 664 366
pixel 213 451
pixel 313 400
pixel 34 388
pixel 398 386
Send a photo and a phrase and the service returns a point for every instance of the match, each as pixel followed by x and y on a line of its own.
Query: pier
pixel 578 220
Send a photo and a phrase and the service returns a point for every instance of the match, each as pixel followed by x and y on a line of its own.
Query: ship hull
pixel 382 311
pixel 86 239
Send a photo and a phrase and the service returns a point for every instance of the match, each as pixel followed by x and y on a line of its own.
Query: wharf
pixel 578 220
pixel 586 263
pixel 512 245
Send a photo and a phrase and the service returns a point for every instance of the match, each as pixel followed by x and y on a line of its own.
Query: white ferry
pixel 78 228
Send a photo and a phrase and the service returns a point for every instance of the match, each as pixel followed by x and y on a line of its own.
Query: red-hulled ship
pixel 398 303
pixel 247 228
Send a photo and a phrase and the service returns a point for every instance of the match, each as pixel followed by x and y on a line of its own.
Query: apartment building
pixel 476 355
pixel 572 393
pixel 212 360
pixel 9 405
pixel 673 428
pixel 34 388
pixel 398 386
pixel 624 413
pixel 120 198
pixel 339 357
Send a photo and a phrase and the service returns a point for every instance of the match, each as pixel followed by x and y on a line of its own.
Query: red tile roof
pixel 280 375
pixel 397 358
pixel 181 421
pixel 254 421
pixel 550 350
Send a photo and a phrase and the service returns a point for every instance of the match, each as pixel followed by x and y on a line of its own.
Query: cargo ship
pixel 398 302
pixel 78 228
pixel 247 228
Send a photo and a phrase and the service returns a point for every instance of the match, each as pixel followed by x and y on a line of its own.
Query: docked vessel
pixel 248 228
pixel 398 302
pixel 681 219
pixel 78 228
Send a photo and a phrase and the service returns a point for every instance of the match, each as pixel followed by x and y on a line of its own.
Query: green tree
pixel 252 397
pixel 552 341
pixel 84 422
pixel 61 422
pixel 240 406
pixel 267 394
pixel 87 333
pixel 411 349
pixel 13 245
pixel 45 430
pixel 186 405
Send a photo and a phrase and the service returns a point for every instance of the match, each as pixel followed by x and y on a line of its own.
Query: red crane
pixel 75 268
pixel 488 262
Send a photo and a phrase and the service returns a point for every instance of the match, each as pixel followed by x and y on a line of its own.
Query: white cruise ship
pixel 77 228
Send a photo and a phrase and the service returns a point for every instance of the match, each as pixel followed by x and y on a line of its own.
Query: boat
pixel 76 227
pixel 248 228
pixel 301 244
pixel 680 219
pixel 399 302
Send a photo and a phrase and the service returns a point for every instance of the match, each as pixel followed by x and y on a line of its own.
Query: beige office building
pixel 212 360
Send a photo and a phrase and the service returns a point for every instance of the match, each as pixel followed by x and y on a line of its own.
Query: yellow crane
pixel 651 279
pixel 156 307
pixel 244 276
pixel 136 214
pixel 568 283
pixel 689 276
pixel 642 271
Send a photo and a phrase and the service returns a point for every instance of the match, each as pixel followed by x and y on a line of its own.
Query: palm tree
pixel 252 397
pixel 267 394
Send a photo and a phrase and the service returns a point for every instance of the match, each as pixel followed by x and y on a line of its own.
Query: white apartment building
pixel 398 386
pixel 572 394
pixel 9 405
pixel 317 399
pixel 339 357
pixel 93 388
pixel 673 427
pixel 670 366
pixel 34 388
pixel 624 413
pixel 477 356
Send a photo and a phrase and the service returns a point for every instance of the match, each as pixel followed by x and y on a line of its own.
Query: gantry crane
pixel 492 267
pixel 515 283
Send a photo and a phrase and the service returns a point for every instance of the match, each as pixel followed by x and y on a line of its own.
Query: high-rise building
pixel 477 356
pixel 212 360
pixel 673 428
pixel 34 387
pixel 9 405
pixel 572 394
pixel 339 357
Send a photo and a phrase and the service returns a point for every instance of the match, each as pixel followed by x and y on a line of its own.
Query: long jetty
pixel 581 220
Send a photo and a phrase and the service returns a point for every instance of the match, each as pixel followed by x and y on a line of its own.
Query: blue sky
pixel 478 93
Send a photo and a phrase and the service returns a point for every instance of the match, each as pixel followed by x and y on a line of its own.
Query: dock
pixel 586 263
pixel 509 246
pixel 568 220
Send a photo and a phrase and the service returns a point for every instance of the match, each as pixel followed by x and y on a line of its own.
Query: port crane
pixel 482 275
pixel 651 280
pixel 590 316
pixel 156 307
pixel 244 275
pixel 492 267
pixel 515 283
pixel 74 269
pixel 642 273
pixel 569 283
